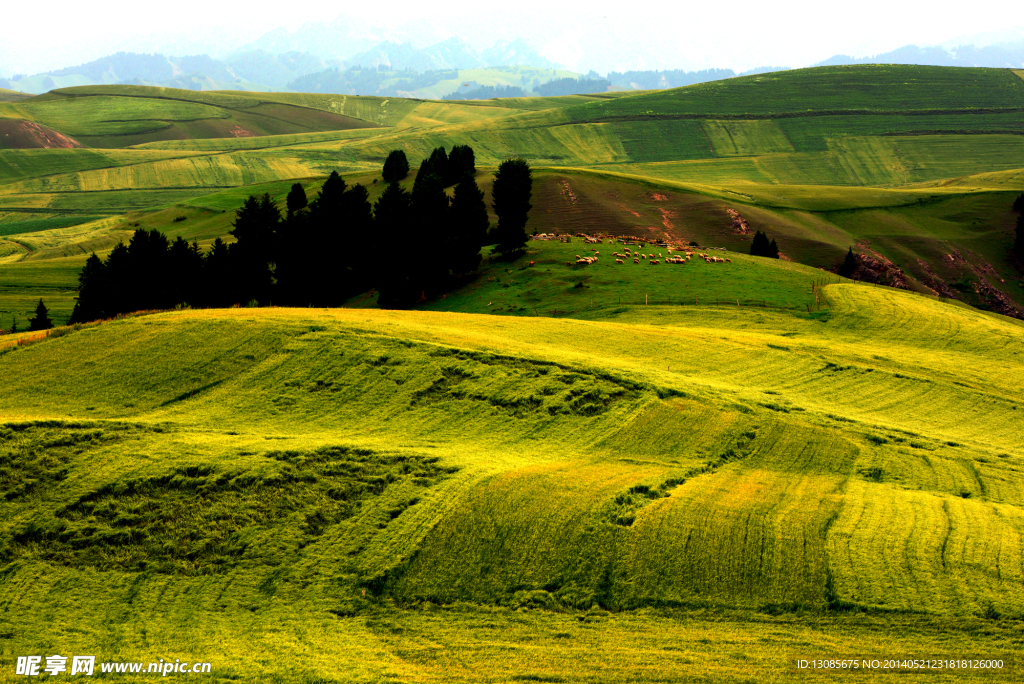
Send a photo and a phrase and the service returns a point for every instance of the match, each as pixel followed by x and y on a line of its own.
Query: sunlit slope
pixel 848 88
pixel 121 116
pixel 692 456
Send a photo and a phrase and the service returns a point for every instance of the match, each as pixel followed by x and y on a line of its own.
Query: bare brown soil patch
pixel 16 134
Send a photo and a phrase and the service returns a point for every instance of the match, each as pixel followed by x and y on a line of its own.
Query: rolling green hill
pixel 561 473
pixel 765 475
pixel 122 116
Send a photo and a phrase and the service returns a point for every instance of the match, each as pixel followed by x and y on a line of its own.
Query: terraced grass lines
pixel 714 459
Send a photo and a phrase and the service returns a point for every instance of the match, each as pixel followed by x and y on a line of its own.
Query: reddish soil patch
pixel 666 218
pixel 240 132
pixel 566 192
pixel 739 224
pixel 16 134
pixel 872 267
pixel 658 197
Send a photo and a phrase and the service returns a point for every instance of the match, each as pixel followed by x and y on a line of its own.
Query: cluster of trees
pixel 762 247
pixel 1018 243
pixel 572 86
pixel 486 93
pixel 151 272
pixel 409 245
pixel 380 80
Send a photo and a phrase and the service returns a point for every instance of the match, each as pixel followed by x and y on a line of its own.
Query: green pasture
pixel 553 287
pixel 124 116
pixel 870 88
pixel 23 284
pixel 421 489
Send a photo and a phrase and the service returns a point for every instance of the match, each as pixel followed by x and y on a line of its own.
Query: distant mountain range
pixel 1006 55
pixel 252 70
pixel 310 60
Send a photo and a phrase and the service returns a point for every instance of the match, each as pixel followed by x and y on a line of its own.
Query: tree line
pixel 409 246
pixel 762 247
pixel 1018 242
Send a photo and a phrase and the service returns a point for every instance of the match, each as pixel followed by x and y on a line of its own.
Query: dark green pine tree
pixel 324 240
pixel 1018 204
pixel 91 302
pixel 296 201
pixel 461 163
pixel 1018 245
pixel 41 321
pixel 430 209
pixel 396 167
pixel 219 285
pixel 773 250
pixel 392 218
pixel 849 264
pixel 254 230
pixel 185 266
pixel 438 165
pixel 511 193
pixel 760 245
pixel 14 325
pixel 469 224
pixel 149 281
pixel 358 275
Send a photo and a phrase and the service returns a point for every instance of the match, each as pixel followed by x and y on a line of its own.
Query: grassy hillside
pixel 121 116
pixel 415 490
pixel 854 88
pixel 917 165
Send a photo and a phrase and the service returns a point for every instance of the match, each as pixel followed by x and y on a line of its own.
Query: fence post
pixel 645 300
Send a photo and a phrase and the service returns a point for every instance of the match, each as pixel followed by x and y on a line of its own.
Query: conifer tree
pixel 396 167
pixel 296 201
pixel 254 230
pixel 760 245
pixel 1018 204
pixel 511 193
pixel 773 250
pixel 392 218
pixel 461 163
pixel 849 264
pixel 430 211
pixel 219 285
pixel 14 325
pixel 1019 243
pixel 469 224
pixel 438 166
pixel 91 300
pixel 359 225
pixel 41 321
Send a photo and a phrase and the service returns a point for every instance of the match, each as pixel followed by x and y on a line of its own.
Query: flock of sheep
pixel 652 259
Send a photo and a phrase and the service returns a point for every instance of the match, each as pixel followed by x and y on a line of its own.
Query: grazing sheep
pixel 636 261
pixel 618 261
pixel 728 261
pixel 654 261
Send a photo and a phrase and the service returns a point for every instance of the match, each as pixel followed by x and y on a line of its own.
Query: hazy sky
pixel 581 35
